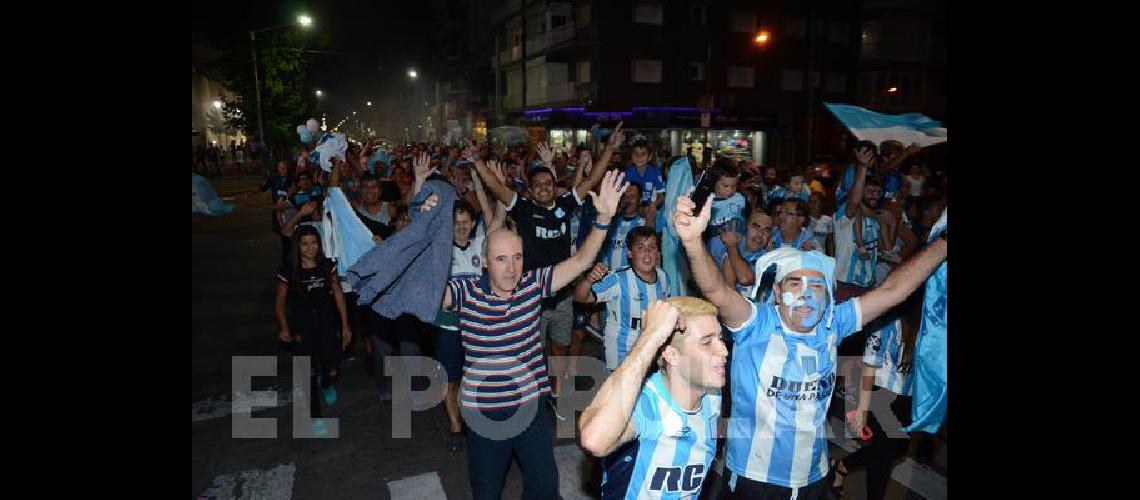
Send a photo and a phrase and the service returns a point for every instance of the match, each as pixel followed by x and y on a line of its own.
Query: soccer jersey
pixel 805 236
pixel 613 253
pixel 884 351
pixel 650 183
pixel 626 297
pixel 673 450
pixel 820 228
pixel 782 193
pixel 466 262
pixel 849 268
pixel 718 252
pixel 726 209
pixel 781 388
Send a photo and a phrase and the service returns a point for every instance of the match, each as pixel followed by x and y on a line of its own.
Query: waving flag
pixel 331 145
pixel 906 128
pixel 673 258
pixel 929 408
pixel 204 200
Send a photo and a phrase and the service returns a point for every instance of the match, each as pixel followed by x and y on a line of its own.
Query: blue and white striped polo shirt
pixel 504 365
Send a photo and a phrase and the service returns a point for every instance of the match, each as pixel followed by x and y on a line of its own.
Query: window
pixel 583 69
pixel 646 71
pixel 648 12
pixel 741 76
pixel 795 27
pixel 557 21
pixel 696 71
pixel 836 83
pixel 791 80
pixel 814 79
pixel 840 32
pixel 742 21
pixel 699 14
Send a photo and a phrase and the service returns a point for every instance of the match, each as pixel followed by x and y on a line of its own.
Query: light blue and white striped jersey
pixel 726 209
pixel 673 450
pixel 626 297
pixel 884 351
pixel 613 253
pixel 806 235
pixel 781 388
pixel 848 267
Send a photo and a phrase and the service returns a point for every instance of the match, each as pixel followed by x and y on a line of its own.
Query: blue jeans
pixel 488 459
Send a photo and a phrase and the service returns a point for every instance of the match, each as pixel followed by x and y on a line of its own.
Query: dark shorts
pixel 449 353
pixel 582 314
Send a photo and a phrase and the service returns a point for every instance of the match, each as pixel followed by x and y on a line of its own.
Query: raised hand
pixel 688 226
pixel 863 156
pixel 496 169
pixel 421 165
pixel 618 137
pixel 610 190
pixel 598 272
pixel 659 321
pixel 545 153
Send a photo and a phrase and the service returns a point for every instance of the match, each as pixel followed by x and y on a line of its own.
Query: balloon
pixel 306 136
pixel 312 125
pixel 301 129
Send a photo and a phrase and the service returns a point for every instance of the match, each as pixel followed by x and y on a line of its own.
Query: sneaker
pixel 455 441
pixel 320 428
pixel 327 394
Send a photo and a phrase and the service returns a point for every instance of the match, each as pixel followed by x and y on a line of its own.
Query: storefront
pixel 738 145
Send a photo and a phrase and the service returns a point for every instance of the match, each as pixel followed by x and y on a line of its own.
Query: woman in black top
pixel 309 305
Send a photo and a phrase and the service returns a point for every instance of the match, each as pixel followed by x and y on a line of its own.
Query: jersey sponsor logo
pixel 678 479
pixel 547 234
pixel 559 213
pixel 635 324
pixel 794 390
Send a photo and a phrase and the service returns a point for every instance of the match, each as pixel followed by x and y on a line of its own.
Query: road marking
pixel 275 483
pixel 220 406
pixel 421 487
pixel 919 479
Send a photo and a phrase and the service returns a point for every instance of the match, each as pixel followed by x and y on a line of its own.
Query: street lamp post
pixel 304 21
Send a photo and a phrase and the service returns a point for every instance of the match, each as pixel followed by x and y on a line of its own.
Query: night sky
pixel 374 42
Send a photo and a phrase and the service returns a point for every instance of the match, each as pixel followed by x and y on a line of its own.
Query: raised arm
pixel 734 308
pixel 902 281
pixel 599 170
pixel 608 422
pixel 584 292
pixel 491 173
pixel 863 158
pixel 611 189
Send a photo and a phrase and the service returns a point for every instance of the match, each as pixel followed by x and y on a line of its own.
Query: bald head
pixel 503 258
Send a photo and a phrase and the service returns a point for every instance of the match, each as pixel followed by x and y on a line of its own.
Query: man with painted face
pixel 544 226
pixel 784 359
pixel 658 438
pixel 625 293
pixel 504 376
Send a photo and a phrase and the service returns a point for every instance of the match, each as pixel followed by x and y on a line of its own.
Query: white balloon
pixel 313 125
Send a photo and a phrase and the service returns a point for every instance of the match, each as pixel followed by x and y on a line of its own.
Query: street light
pixel 304 21
pixel 218 104
pixel 412 73
pixel 762 37
pixel 320 94
pixel 893 90
pixel 369 103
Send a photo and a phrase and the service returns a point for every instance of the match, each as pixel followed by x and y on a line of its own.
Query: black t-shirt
pixel 313 290
pixel 545 232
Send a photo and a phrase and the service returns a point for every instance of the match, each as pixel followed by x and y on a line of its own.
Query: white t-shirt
pixel 467 262
pixel 848 267
pixel 916 185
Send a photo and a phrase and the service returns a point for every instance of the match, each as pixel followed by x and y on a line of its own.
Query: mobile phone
pixel 706 186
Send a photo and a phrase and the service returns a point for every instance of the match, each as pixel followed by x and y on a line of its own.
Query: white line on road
pixel 275 483
pixel 220 406
pixel 919 479
pixel 421 487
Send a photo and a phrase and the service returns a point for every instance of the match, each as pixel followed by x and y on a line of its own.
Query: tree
pixel 283 70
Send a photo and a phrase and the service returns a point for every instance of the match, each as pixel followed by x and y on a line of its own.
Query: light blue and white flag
pixel 332 144
pixel 906 128
pixel 204 200
pixel 673 258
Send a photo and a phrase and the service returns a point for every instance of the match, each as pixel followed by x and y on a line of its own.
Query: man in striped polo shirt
pixel 784 358
pixel 504 374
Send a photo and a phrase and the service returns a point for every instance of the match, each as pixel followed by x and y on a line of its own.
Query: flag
pixel 906 128
pixel 673 258
pixel 204 200
pixel 929 403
